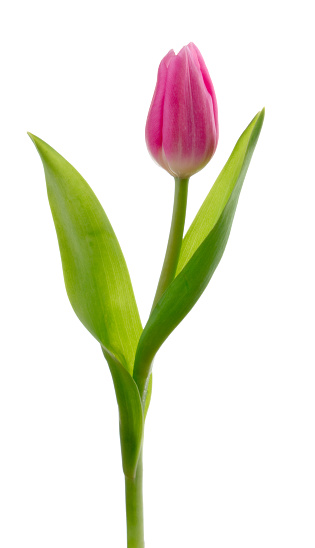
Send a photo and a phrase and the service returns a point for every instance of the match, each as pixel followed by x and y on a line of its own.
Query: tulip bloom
pixel 182 127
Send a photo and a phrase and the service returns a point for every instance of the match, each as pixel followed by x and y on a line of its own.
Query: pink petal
pixel 188 119
pixel 207 81
pixel 153 130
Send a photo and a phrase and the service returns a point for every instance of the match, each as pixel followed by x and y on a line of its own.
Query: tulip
pixel 182 126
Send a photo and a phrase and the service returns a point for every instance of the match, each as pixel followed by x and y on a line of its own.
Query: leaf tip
pixel 40 146
pixel 260 120
pixel 33 138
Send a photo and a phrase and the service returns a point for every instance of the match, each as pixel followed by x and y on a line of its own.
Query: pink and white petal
pixel 153 130
pixel 189 131
pixel 177 113
pixel 207 80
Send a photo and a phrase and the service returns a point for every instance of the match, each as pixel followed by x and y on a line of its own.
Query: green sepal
pixel 201 252
pixel 95 272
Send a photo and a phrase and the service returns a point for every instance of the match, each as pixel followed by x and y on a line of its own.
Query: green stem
pixel 141 371
pixel 134 499
pixel 175 238
pixel 134 509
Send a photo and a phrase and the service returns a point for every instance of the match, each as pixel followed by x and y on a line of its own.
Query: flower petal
pixel 189 131
pixel 153 130
pixel 208 82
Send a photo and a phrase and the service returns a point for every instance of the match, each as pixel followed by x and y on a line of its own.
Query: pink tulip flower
pixel 182 126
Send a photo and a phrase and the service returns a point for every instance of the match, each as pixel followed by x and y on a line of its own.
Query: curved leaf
pixel 95 272
pixel 131 420
pixel 203 248
pixel 212 207
pixel 148 397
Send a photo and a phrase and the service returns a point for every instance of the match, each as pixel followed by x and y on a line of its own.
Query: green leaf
pixel 131 419
pixel 231 175
pixel 202 249
pixel 148 396
pixel 95 272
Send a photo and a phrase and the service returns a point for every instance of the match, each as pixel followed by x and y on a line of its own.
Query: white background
pixel 229 445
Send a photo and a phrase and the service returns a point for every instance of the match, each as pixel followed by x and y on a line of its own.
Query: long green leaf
pixel 234 170
pixel 94 268
pixel 202 250
pixel 98 286
pixel 131 419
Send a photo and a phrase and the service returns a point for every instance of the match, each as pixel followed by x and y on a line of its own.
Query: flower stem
pixel 134 499
pixel 175 238
pixel 134 509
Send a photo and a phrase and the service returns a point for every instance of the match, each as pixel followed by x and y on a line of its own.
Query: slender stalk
pixel 141 370
pixel 134 498
pixel 175 238
pixel 134 509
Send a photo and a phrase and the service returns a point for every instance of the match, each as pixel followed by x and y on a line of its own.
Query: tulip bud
pixel 182 126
